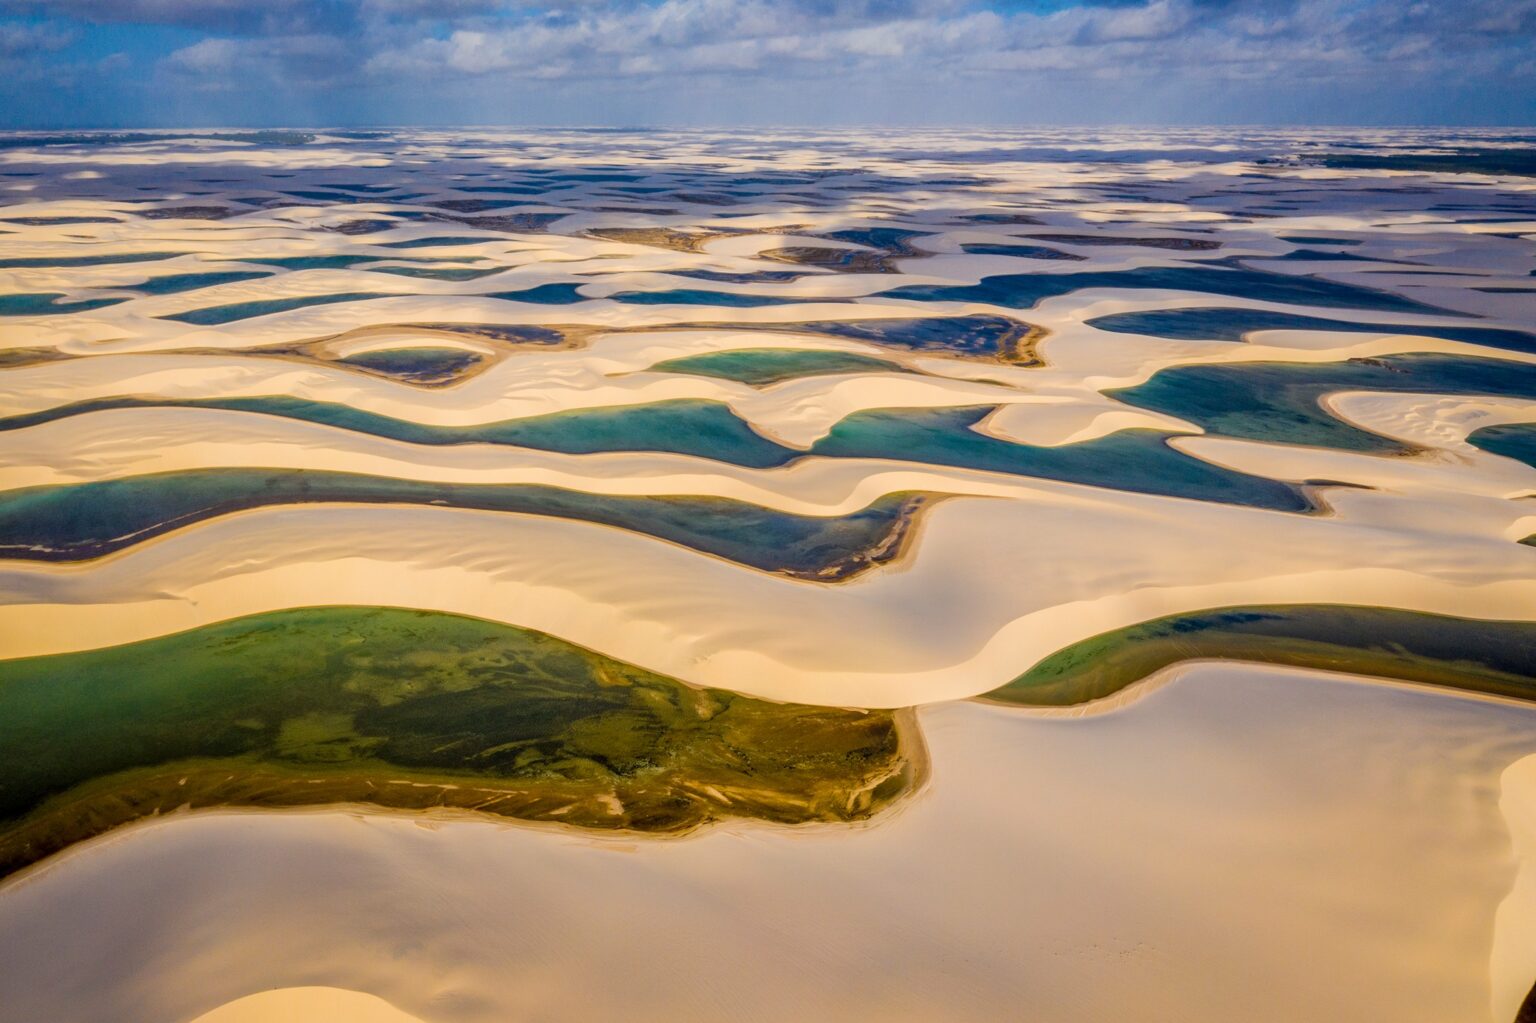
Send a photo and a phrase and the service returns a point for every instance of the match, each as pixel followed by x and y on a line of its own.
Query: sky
pixel 205 63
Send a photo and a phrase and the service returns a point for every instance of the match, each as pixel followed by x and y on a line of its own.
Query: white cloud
pixel 21 38
pixel 838 44
pixel 208 57
pixel 1157 19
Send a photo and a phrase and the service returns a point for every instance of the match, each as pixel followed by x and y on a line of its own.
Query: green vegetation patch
pixel 1497 657
pixel 413 710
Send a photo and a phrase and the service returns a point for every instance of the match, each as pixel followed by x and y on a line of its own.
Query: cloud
pixel 1158 19
pixel 293 61
pixel 211 15
pixel 1193 39
pixel 19 38
pixel 211 56
pixel 456 47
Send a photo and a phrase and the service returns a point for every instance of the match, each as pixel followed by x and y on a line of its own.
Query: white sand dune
pixel 1437 421
pixel 945 623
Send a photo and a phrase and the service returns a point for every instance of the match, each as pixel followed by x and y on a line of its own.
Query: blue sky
pixel 151 63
